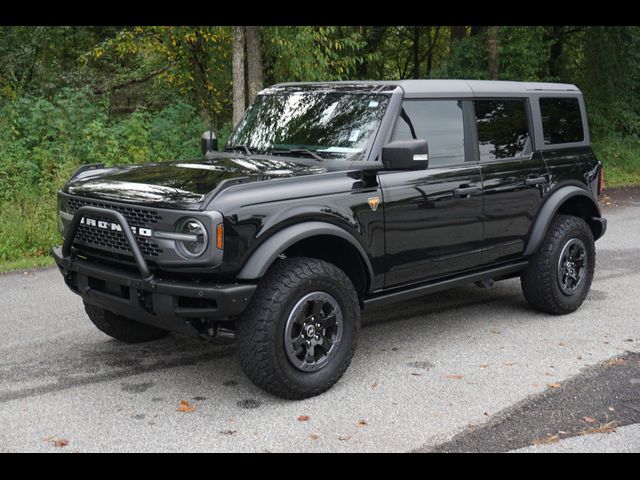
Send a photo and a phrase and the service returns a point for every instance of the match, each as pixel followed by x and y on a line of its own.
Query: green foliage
pixel 467 60
pixel 313 53
pixel 621 158
pixel 45 141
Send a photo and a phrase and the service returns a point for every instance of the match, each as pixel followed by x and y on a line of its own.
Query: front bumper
pixel 169 304
pixel 190 307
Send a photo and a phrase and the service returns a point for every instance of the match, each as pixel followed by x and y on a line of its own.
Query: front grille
pixel 111 239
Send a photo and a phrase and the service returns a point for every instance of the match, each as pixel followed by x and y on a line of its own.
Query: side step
pixel 437 286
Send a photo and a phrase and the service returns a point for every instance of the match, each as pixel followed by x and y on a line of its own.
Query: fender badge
pixel 373 202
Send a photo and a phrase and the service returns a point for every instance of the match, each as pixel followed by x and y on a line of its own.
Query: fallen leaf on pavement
pixel 61 442
pixel 508 364
pixel 617 361
pixel 484 365
pixel 548 374
pixel 304 418
pixel 374 385
pixel 495 332
pixel 589 419
pixel 455 377
pixel 606 428
pixel 548 439
pixel 553 385
pixel 362 423
pixel 344 438
pixel 185 407
pixel 314 436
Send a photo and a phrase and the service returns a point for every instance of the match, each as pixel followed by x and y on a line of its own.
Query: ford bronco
pixel 332 198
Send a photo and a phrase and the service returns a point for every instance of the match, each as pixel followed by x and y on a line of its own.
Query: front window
pixel 325 124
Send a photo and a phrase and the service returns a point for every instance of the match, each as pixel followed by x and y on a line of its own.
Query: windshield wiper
pixel 297 151
pixel 238 147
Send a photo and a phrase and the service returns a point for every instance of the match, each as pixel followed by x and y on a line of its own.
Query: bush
pixel 43 141
pixel 621 159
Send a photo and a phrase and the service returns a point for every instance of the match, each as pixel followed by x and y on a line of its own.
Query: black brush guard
pixel 162 302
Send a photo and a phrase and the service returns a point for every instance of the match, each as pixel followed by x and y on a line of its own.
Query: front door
pixel 433 217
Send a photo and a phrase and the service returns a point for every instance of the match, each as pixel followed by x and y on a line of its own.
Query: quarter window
pixel 503 128
pixel 561 120
pixel 440 123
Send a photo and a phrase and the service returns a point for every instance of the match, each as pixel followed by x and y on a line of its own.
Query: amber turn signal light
pixel 220 236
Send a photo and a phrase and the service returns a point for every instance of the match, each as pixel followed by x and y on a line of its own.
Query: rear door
pixel 514 176
pixel 433 217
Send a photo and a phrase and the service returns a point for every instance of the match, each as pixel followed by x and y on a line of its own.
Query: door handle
pixel 535 180
pixel 464 190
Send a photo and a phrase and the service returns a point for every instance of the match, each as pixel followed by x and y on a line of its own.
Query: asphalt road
pixel 426 372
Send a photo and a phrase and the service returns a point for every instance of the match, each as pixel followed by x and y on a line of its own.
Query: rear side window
pixel 561 120
pixel 503 128
pixel 440 123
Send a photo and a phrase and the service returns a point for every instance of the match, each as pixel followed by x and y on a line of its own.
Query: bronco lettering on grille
pixel 92 222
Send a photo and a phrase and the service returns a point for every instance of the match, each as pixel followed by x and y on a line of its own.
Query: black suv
pixel 331 198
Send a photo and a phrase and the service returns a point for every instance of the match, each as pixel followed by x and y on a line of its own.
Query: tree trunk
pixel 492 41
pixel 254 62
pixel 458 33
pixel 555 52
pixel 238 74
pixel 477 30
pixel 416 52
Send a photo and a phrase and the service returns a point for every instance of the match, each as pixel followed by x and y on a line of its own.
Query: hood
pixel 181 185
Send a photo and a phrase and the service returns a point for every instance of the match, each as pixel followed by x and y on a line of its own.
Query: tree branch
pixel 131 81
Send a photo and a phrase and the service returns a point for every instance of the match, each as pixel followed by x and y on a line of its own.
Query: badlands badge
pixel 373 202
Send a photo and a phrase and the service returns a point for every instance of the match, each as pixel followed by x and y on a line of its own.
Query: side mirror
pixel 208 142
pixel 405 155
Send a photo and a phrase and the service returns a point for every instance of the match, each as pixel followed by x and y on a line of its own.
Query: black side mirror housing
pixel 406 155
pixel 208 142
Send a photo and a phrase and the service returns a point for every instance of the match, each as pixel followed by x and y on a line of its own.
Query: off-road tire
pixel 260 332
pixel 122 328
pixel 540 280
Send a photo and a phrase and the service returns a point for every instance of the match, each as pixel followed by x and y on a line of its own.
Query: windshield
pixel 318 123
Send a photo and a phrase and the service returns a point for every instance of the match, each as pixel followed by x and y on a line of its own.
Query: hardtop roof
pixel 447 87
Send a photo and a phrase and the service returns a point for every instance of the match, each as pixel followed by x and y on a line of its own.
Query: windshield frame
pixel 389 91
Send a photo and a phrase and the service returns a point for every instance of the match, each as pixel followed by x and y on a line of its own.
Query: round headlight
pixel 197 246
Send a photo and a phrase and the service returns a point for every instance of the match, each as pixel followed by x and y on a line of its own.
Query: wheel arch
pixel 320 240
pixel 568 200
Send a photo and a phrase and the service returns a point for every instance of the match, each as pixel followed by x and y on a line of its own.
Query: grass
pixel 26 263
pixel 621 159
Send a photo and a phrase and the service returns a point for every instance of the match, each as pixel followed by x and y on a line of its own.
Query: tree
pixel 238 74
pixel 255 73
pixel 492 42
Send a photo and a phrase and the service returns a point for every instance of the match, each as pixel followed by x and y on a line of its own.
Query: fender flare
pixel 549 209
pixel 264 256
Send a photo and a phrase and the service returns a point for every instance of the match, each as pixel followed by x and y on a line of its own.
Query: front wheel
pixel 559 274
pixel 299 333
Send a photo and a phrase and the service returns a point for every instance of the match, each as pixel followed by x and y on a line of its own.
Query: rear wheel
pixel 299 333
pixel 559 274
pixel 122 328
